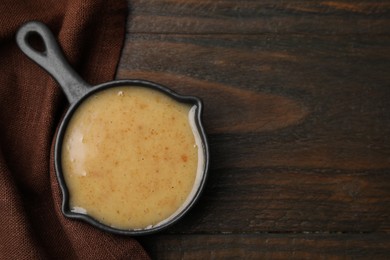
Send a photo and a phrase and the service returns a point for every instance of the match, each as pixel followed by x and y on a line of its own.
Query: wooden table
pixel 297 111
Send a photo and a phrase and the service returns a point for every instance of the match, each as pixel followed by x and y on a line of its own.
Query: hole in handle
pixel 36 42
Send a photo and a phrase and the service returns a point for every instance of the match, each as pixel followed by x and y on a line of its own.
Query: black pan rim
pixel 58 148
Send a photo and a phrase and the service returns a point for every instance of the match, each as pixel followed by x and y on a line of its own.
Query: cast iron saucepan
pixel 77 91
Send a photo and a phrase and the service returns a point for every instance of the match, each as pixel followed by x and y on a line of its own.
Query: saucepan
pixel 131 156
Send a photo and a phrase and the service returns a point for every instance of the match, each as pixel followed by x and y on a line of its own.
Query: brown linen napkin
pixel 32 226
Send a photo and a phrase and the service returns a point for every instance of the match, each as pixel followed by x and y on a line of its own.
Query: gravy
pixel 131 157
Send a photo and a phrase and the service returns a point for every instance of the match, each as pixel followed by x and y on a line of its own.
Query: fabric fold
pixel 91 34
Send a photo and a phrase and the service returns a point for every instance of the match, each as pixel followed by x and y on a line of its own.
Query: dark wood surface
pixel 297 111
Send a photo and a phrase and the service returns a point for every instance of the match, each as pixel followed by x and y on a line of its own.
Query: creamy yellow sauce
pixel 130 157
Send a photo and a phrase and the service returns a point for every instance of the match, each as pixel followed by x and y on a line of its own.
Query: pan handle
pixel 51 59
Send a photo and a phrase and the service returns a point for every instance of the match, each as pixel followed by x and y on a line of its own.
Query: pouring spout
pixel 51 59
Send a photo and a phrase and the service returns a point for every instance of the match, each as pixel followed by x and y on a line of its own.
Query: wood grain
pixel 310 102
pixel 277 200
pixel 297 113
pixel 254 17
pixel 269 246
